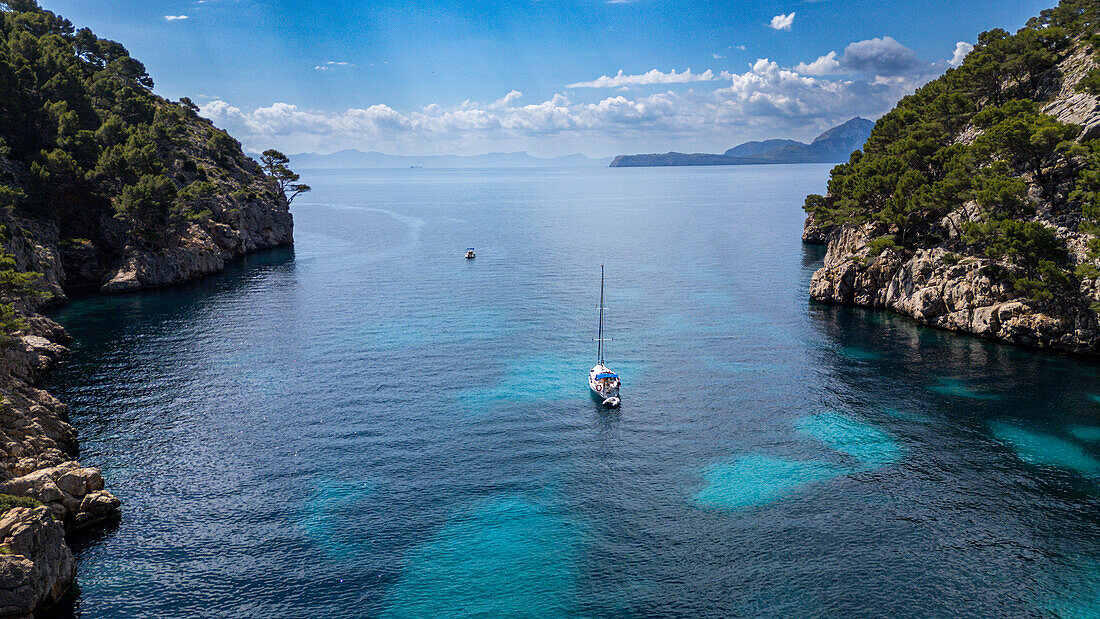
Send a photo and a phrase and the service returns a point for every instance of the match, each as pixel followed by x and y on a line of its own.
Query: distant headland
pixel 833 146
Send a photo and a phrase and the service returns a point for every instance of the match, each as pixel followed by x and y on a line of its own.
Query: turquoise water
pixel 1046 450
pixel 507 557
pixel 755 480
pixel 369 425
pixel 863 441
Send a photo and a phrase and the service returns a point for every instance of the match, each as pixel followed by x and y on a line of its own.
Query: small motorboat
pixel 470 253
pixel 602 381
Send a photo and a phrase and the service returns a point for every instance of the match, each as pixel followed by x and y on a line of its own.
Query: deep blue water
pixel 369 425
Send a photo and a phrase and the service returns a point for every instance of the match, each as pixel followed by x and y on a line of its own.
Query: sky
pixel 552 77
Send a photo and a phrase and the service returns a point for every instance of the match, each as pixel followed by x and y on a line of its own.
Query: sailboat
pixel 602 381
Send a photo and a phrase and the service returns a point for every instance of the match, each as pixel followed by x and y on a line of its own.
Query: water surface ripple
pixel 369 425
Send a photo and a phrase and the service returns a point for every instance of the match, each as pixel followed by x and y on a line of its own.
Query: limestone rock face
pixel 37 447
pixel 960 294
pixel 36 567
pixel 203 248
pixel 37 444
pixel 815 233
pixel 73 494
pixel 1070 106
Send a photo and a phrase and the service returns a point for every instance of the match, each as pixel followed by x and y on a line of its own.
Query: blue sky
pixel 426 77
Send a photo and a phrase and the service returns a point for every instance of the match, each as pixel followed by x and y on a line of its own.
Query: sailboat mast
pixel 599 347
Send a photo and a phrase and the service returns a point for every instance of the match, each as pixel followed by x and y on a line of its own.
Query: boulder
pixel 36 567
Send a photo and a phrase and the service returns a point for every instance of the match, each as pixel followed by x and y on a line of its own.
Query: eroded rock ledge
pixel 958 293
pixel 36 567
pixel 37 447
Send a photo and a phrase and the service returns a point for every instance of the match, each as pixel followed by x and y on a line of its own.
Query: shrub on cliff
pixel 8 501
pixel 83 135
pixel 914 169
pixel 14 284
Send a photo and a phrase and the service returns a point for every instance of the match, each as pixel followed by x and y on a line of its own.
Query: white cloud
pixel 175 17
pixel 331 65
pixel 884 59
pixel 652 77
pixel 764 101
pixel 962 48
pixel 717 56
pixel 507 99
pixel 825 65
pixel 782 22
pixel 883 56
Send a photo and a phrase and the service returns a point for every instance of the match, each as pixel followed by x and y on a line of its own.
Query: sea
pixel 366 424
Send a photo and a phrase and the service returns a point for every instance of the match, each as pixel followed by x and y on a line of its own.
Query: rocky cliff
pixel 36 567
pixel 998 243
pixel 104 187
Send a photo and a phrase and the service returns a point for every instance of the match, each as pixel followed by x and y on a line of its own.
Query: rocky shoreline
pixel 942 285
pixel 105 187
pixel 38 444
pixel 941 290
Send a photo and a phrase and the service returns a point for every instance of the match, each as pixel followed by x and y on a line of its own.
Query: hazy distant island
pixel 357 159
pixel 975 205
pixel 833 146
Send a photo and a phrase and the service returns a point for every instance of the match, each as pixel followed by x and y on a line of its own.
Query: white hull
pixel 605 389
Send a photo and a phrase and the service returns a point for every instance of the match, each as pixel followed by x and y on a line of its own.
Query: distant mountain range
pixel 374 159
pixel 833 146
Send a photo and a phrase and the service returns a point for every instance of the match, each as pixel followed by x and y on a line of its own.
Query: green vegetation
pixel 84 141
pixel 14 284
pixel 915 170
pixel 1091 83
pixel 881 244
pixel 81 132
pixel 8 501
pixel 275 164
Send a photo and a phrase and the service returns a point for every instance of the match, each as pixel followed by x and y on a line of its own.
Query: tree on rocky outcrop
pixel 915 170
pixel 275 164
pixel 83 138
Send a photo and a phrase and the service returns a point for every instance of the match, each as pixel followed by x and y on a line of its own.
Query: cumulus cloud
pixel 507 99
pixel 883 56
pixel 764 101
pixel 825 65
pixel 782 22
pixel 962 48
pixel 652 77
pixel 175 17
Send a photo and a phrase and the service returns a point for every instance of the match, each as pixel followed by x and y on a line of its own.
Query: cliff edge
pixel 975 205
pixel 104 187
